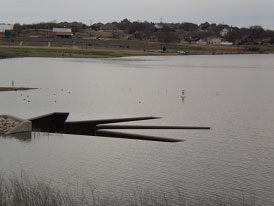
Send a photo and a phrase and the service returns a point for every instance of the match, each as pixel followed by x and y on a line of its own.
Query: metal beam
pixel 116 120
pixel 52 123
pixel 105 133
pixel 88 127
pixel 148 127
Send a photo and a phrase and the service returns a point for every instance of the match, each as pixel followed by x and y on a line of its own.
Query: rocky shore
pixel 7 124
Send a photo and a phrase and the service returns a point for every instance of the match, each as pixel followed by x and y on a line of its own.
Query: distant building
pixel 226 43
pixel 158 26
pixel 224 31
pixel 201 42
pixel 214 40
pixel 62 32
pixel 6 30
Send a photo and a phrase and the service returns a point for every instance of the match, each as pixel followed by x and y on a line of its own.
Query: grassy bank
pixel 25 191
pixel 107 49
pixel 7 52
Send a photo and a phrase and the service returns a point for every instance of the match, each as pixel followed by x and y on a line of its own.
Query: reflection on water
pixel 183 99
pixel 232 94
pixel 24 136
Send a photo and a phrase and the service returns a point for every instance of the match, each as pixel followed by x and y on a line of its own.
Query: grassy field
pixel 116 48
pixel 61 52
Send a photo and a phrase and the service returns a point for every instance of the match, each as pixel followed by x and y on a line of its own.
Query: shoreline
pixel 67 52
pixel 7 89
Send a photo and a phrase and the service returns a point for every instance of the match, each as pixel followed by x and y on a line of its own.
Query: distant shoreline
pixel 6 89
pixel 105 52
pixel 11 52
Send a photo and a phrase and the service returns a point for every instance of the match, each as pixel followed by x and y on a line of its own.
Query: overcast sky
pixel 243 13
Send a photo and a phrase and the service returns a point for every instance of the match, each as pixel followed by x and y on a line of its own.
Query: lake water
pixel 233 94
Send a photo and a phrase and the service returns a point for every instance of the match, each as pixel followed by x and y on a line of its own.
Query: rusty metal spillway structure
pixel 57 123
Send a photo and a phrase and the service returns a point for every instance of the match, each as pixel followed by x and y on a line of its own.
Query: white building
pixel 214 40
pixel 224 31
pixel 158 26
pixel 4 27
pixel 65 30
pixel 62 32
pixel 226 43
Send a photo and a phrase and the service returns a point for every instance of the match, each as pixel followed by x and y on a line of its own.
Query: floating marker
pixel 183 93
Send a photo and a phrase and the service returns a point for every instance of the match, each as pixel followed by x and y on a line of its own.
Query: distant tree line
pixel 165 32
pixel 186 31
pixel 75 26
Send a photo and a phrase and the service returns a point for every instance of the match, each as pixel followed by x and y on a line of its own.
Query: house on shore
pixel 214 40
pixel 158 26
pixel 6 30
pixel 226 43
pixel 62 32
pixel 224 32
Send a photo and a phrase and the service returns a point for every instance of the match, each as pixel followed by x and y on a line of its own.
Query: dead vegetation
pixel 25 191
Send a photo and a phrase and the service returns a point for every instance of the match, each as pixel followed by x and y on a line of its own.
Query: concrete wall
pixel 52 123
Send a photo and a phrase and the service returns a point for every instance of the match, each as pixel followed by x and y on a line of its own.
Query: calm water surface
pixel 233 94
